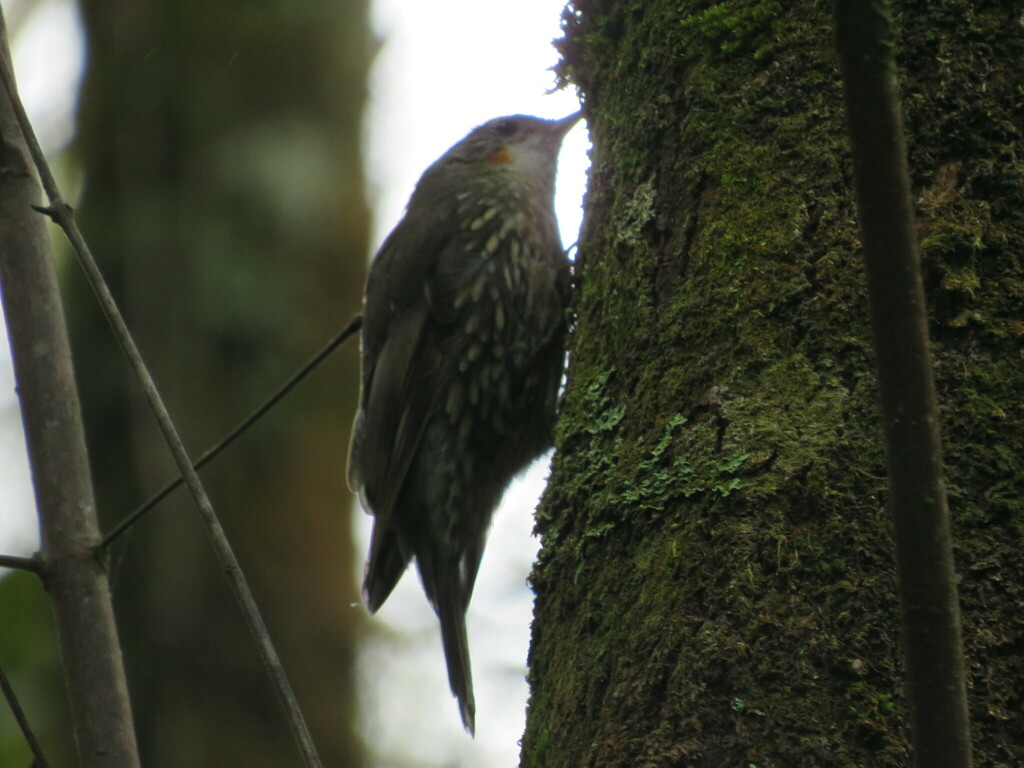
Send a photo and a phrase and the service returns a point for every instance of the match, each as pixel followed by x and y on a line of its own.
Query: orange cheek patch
pixel 501 157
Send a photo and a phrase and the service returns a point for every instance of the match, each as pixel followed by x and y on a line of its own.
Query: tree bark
pixel 74 576
pixel 716 584
pixel 936 687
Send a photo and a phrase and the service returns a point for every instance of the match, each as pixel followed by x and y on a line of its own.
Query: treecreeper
pixel 463 349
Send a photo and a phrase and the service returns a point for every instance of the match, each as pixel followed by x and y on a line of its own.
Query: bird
pixel 462 355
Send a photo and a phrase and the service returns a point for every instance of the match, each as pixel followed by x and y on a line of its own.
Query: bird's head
pixel 518 143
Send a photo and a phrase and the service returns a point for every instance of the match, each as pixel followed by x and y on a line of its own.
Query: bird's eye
pixel 505 127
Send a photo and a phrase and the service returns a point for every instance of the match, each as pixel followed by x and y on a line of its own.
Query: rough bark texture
pixel 716 584
pixel 223 196
pixel 933 654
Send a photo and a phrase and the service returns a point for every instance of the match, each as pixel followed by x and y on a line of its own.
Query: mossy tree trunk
pixel 716 584
pixel 223 194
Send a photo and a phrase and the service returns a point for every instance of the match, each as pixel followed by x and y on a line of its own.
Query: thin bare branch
pixel 924 556
pixel 63 215
pixel 347 332
pixel 75 579
pixel 23 724
pixel 30 564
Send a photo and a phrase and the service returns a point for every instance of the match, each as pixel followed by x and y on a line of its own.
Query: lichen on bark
pixel 716 582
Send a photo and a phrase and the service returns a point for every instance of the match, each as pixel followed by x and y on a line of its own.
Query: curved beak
pixel 561 127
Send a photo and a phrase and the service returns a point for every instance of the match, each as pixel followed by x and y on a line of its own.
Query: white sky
pixel 445 67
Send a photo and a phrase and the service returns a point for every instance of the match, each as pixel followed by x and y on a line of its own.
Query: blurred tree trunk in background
pixel 716 585
pixel 223 196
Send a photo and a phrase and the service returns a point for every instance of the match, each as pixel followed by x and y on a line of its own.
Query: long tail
pixel 451 611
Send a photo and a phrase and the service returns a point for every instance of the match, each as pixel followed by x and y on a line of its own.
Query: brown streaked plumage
pixel 462 356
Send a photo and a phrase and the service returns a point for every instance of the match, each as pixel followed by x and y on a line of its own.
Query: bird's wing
pixel 397 360
pixel 394 411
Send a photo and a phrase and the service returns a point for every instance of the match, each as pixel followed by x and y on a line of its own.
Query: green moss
pixel 716 528
pixel 725 29
pixel 538 749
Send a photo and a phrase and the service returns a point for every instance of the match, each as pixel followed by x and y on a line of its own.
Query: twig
pixel 62 214
pixel 30 564
pixel 76 582
pixel 347 332
pixel 19 715
pixel 924 557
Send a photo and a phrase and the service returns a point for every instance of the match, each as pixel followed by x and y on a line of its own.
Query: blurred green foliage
pixel 28 653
